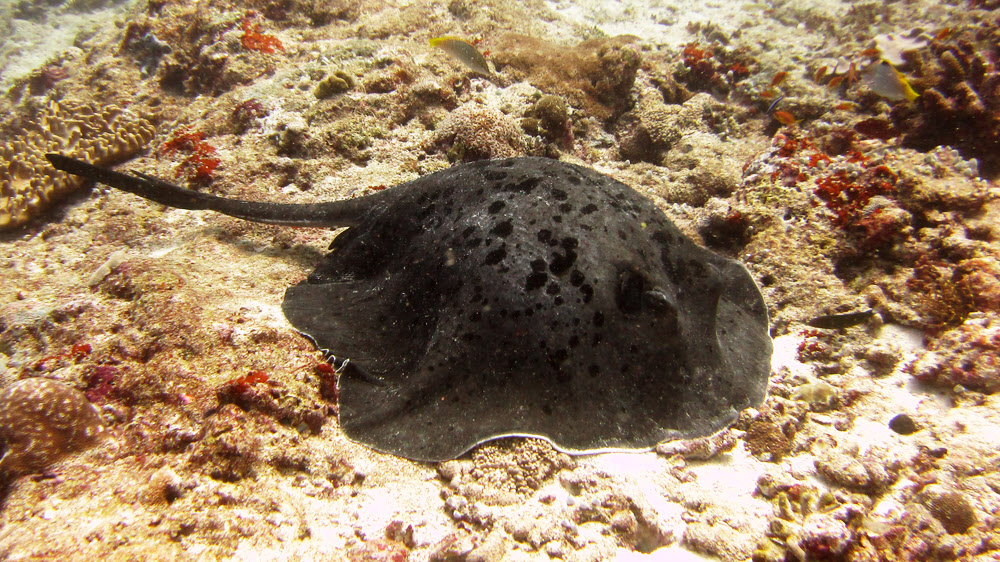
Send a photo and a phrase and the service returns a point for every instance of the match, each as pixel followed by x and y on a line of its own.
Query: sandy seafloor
pixel 188 301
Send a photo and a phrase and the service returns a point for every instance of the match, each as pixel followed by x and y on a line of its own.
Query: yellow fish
pixel 888 82
pixel 463 51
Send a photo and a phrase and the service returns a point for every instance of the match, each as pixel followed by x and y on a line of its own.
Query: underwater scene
pixel 477 280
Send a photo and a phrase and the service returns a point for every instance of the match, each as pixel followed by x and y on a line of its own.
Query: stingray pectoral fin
pixel 427 412
pixel 356 321
pixel 336 213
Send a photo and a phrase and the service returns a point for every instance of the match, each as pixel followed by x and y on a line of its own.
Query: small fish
pixel 846 106
pixel 778 78
pixel 464 52
pixel 943 34
pixel 871 53
pixel 820 73
pixel 835 81
pixel 774 104
pixel 888 82
pixel 785 118
pixel 838 321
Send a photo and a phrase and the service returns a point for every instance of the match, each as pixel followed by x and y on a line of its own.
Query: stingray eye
pixel 630 290
pixel 657 301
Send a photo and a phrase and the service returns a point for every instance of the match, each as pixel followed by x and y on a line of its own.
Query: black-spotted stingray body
pixel 524 296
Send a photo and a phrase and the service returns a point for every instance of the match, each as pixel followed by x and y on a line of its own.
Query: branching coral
pixel 101 135
pixel 959 105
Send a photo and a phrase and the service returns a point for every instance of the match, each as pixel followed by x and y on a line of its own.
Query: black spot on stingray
pixel 495 207
pixel 503 229
pixel 496 256
pixel 598 319
pixel 535 281
pixel 524 186
pixel 556 360
pixel 588 208
pixel 427 211
pixel 552 288
pixel 562 261
pixel 565 207
pixel 445 343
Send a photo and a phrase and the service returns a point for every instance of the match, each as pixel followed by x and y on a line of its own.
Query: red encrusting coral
pixel 949 292
pixel 77 351
pixel 245 112
pixel 200 163
pixel 258 392
pixel 876 128
pixel 706 67
pixel 254 40
pixel 242 385
pixel 847 196
pixel 100 383
pixel 328 383
pixel 43 80
pixel 814 345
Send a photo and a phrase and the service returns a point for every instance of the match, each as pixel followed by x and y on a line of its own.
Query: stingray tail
pixel 333 214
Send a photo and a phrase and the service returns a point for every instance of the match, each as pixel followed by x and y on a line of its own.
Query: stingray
pixel 516 297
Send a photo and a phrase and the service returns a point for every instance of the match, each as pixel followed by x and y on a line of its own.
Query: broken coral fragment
pixel 29 185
